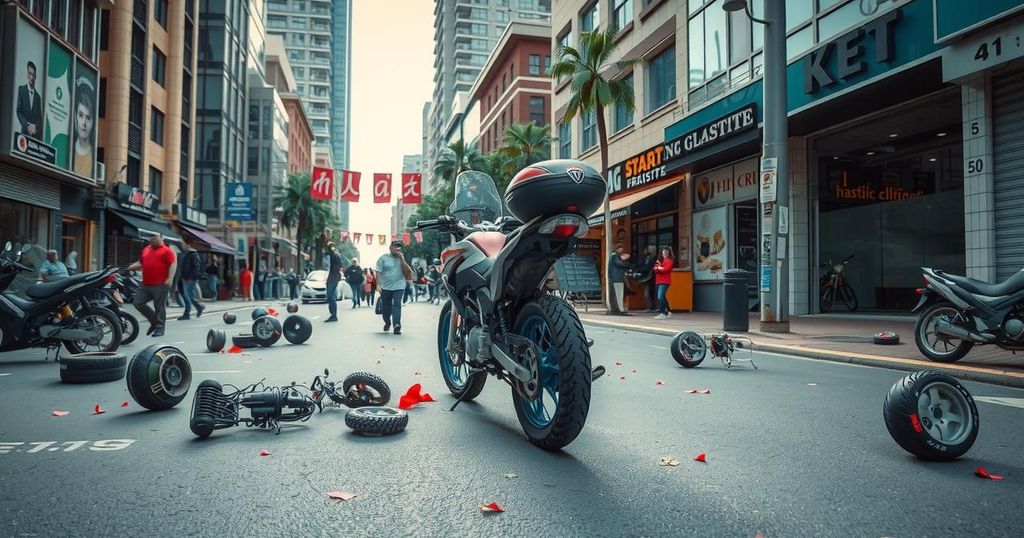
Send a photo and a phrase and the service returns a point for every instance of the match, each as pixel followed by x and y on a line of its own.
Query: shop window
pixel 58 16
pixel 623 115
pixel 799 12
pixel 24 223
pixel 661 79
pixel 657 232
pixel 588 130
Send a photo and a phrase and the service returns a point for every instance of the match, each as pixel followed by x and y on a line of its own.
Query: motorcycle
pixel 833 283
pixel 498 319
pixel 958 313
pixel 45 316
pixel 119 292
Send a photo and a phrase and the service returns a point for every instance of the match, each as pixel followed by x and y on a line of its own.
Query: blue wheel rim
pixel 456 376
pixel 540 411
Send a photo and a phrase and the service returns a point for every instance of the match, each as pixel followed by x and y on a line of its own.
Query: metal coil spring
pixel 213 404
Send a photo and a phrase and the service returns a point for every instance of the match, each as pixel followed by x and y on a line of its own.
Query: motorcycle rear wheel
pixel 929 341
pixel 556 416
pixel 462 382
pixel 102 319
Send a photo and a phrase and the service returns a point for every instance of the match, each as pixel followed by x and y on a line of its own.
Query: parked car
pixel 314 288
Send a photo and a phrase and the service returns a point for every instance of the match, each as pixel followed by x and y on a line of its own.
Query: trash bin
pixel 735 316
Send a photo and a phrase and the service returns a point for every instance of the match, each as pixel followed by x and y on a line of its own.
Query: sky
pixel 392 76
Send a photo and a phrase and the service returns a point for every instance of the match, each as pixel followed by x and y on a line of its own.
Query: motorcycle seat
pixel 49 289
pixel 1008 287
pixel 20 302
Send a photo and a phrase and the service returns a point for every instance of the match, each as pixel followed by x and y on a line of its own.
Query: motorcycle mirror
pixel 7 247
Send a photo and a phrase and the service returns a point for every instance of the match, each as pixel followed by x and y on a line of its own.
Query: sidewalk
pixel 842 338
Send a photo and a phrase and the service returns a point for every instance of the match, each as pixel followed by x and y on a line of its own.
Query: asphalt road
pixel 796 448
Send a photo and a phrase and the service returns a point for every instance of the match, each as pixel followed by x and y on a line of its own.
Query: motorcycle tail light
pixel 565 226
pixel 110 278
pixel 919 291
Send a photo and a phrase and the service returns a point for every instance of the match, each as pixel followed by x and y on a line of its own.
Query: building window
pixel 105 29
pixel 564 141
pixel 156 181
pixel 588 130
pixel 537 109
pixel 623 116
pixel 160 13
pixel 563 43
pixel 661 79
pixel 156 126
pixel 547 64
pixel 102 98
pixel 478 29
pixel 58 15
pixel 159 66
pixel 132 173
pixel 534 64
pixel 622 13
pixel 590 18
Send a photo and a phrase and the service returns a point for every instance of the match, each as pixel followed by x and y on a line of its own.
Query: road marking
pixel 659 348
pixel 216 371
pixel 2 375
pixel 6 447
pixel 1008 402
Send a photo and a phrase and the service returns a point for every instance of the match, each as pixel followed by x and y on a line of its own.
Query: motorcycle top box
pixel 555 187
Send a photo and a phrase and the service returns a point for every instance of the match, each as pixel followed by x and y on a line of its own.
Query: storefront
pixel 190 222
pixel 27 207
pixel 131 220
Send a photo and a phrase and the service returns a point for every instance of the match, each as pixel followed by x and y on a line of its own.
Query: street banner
pixel 239 206
pixel 57 122
pixel 350 186
pixel 411 191
pixel 356 237
pixel 382 239
pixel 344 236
pixel 369 239
pixel 419 236
pixel 381 188
pixel 84 119
pixel 322 186
pixel 405 238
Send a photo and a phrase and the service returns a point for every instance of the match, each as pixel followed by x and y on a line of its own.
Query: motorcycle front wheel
pixel 105 326
pixel 828 295
pixel 129 327
pixel 462 382
pixel 849 298
pixel 556 416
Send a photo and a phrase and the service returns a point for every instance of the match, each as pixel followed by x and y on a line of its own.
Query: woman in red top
pixel 245 281
pixel 662 279
pixel 369 285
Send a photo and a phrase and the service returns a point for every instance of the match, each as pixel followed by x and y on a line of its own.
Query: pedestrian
pixel 293 285
pixel 52 269
pixel 354 277
pixel 617 276
pixel 393 275
pixel 369 286
pixel 212 271
pixel 663 279
pixel 191 265
pixel 71 262
pixel 646 271
pixel 245 282
pixel 333 279
pixel 177 288
pixel 158 264
pixel 434 281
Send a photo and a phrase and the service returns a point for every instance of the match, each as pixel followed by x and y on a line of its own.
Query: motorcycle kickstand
pixel 458 401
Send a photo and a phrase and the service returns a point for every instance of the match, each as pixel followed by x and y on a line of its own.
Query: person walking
pixel 393 274
pixel 663 279
pixel 212 271
pixel 191 270
pixel 369 286
pixel 333 279
pixel 434 281
pixel 354 277
pixel 245 282
pixel 647 278
pixel 158 264
pixel 617 275
pixel 52 269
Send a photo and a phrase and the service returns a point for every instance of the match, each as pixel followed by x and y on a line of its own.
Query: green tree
pixel 526 144
pixel 591 90
pixel 301 212
pixel 458 158
pixel 500 167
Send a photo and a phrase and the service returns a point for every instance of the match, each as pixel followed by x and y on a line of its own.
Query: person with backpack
pixel 354 277
pixel 191 272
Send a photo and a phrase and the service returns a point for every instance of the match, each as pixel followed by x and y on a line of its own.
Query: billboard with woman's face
pixel 83 121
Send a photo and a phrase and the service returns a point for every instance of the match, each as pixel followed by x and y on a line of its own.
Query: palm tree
pixel 458 158
pixel 591 92
pixel 527 143
pixel 299 210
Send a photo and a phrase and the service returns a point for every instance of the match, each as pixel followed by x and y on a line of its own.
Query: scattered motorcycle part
pixel 297 329
pixel 215 339
pixel 267 331
pixel 886 338
pixel 259 312
pixel 689 349
pixel 212 409
pixel 377 420
pixel 209 405
pixel 365 389
pixel 590 342
pixel 129 327
pixel 94 367
pixel 229 318
pixel 931 415
pixel 293 308
pixel 104 328
pixel 244 341
pixel 159 377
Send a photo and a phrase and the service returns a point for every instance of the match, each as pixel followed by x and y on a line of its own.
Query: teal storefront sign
pixel 956 17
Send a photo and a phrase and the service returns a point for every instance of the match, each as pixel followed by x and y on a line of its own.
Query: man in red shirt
pixel 158 264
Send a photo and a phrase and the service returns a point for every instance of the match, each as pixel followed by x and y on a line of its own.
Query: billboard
pixel 83 121
pixel 29 82
pixel 239 206
pixel 57 117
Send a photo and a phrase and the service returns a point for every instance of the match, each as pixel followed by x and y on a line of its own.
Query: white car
pixel 314 288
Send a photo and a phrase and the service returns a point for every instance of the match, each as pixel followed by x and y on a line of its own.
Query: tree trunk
pixel 300 230
pixel 602 135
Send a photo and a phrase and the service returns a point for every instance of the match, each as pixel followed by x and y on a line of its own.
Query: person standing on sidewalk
pixel 245 278
pixel 647 278
pixel 333 279
pixel 663 279
pixel 617 275
pixel 158 264
pixel 212 276
pixel 354 277
pixel 393 273
pixel 191 271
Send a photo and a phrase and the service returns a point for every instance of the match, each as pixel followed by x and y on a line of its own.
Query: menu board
pixel 577 274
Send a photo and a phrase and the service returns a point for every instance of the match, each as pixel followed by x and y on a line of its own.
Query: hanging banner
pixel 344 236
pixel 350 186
pixel 57 121
pixel 405 238
pixel 381 188
pixel 356 237
pixel 382 239
pixel 369 239
pixel 419 236
pixel 411 192
pixel 322 186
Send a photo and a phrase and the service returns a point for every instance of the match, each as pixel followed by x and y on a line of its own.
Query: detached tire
pixel 886 338
pixel 297 329
pixel 266 330
pixel 377 420
pixel 931 415
pixel 356 387
pixel 259 312
pixel 159 377
pixel 689 349
pixel 96 367
pixel 293 308
pixel 215 339
pixel 229 318
pixel 244 341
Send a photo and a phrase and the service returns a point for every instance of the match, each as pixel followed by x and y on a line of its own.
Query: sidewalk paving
pixel 842 338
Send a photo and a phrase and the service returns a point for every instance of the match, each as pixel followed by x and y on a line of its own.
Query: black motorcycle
pixel 119 292
pixel 47 316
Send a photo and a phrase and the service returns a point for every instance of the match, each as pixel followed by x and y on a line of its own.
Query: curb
pixel 969 373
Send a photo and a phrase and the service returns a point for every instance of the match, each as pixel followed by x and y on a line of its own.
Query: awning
pixel 144 228
pixel 214 244
pixel 625 201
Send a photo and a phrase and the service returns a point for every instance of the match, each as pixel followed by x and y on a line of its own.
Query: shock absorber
pixel 211 409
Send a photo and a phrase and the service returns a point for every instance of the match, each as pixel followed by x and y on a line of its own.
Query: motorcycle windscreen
pixel 476 198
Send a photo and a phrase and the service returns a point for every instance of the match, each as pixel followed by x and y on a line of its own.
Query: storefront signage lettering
pixel 644 168
pixel 239 196
pixel 983 50
pixel 720 129
pixel 137 200
pixel 723 185
pixel 868 193
pixel 36 149
pixel 190 215
pixel 849 50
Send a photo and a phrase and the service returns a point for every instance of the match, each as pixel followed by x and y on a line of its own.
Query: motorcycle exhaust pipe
pixel 956 331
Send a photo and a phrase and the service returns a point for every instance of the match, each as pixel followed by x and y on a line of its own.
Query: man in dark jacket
pixel 333 279
pixel 617 275
pixel 354 277
pixel 30 106
pixel 191 272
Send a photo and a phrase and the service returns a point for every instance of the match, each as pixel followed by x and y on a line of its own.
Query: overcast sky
pixel 392 76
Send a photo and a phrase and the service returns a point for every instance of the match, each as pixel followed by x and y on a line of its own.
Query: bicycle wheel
pixel 849 298
pixel 827 297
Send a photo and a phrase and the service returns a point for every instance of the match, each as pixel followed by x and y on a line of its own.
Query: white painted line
pixel 2 375
pixel 659 348
pixel 1008 402
pixel 216 371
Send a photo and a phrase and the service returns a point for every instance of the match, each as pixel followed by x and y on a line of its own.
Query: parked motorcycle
pixel 119 292
pixel 498 319
pixel 833 284
pixel 45 316
pixel 958 313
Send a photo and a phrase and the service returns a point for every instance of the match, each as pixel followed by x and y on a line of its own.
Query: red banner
pixel 405 237
pixel 419 236
pixel 381 188
pixel 412 192
pixel 322 187
pixel 369 239
pixel 350 186
pixel 356 237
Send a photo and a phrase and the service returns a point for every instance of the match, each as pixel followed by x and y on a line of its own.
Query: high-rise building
pixel 401 212
pixel 465 32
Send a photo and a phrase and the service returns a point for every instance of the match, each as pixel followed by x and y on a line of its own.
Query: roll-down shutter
pixel 1008 171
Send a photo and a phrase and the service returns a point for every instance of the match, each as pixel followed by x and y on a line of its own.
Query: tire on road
pixel 244 341
pixel 293 308
pixel 377 420
pixel 355 388
pixel 931 415
pixel 96 367
pixel 107 318
pixel 259 312
pixel 297 329
pixel 886 338
pixel 266 330
pixel 215 339
pixel 129 327
pixel 229 318
pixel 689 349
pixel 159 377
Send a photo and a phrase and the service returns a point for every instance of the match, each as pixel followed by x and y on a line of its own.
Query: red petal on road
pixel 264 452
pixel 124 404
pixel 492 507
pixel 413 397
pixel 272 312
pixel 234 349
pixel 341 495
pixel 427 397
pixel 59 413
pixel 97 410
pixel 982 473
pixel 701 458
pixel 659 382
pixel 623 378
